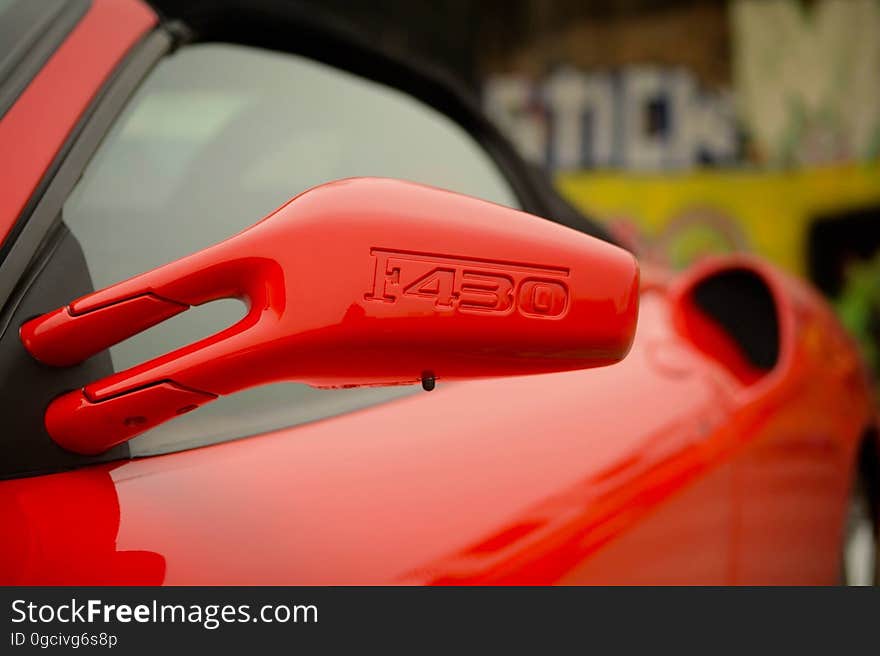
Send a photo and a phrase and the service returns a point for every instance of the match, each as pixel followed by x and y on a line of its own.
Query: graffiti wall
pixel 777 154
pixel 645 117
pixel 680 166
pixel 803 89
pixel 676 219
pixel 807 78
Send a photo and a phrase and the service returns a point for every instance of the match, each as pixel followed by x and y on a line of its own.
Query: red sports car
pixel 193 395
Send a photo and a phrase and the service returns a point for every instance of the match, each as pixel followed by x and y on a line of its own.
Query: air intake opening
pixel 732 316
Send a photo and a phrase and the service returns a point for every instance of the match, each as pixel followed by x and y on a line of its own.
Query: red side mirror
pixel 357 282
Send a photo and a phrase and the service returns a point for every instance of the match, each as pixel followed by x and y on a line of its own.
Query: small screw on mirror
pixel 428 381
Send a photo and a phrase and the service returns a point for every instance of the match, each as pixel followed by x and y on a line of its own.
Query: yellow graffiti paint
pixel 772 209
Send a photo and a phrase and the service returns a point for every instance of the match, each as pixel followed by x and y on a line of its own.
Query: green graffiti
pixel 859 307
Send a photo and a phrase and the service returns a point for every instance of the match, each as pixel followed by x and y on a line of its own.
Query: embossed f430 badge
pixel 469 285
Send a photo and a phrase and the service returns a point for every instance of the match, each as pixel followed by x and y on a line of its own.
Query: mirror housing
pixel 358 282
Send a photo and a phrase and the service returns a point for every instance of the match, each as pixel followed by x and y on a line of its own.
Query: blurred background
pixel 687 127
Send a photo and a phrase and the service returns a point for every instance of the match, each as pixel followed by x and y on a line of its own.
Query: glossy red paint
pixel 82 509
pixel 365 281
pixel 670 467
pixel 34 129
pixel 642 472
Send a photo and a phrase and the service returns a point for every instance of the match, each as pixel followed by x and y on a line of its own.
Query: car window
pixel 216 138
